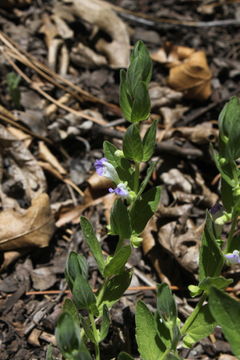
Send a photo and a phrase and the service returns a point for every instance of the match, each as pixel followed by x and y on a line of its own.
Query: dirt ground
pixel 59 86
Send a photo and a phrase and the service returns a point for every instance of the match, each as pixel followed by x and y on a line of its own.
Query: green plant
pixel 158 334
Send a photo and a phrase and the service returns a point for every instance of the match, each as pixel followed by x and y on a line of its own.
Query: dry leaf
pixel 193 77
pixel 35 227
pixel 22 172
pixel 171 55
pixel 46 155
pixel 101 16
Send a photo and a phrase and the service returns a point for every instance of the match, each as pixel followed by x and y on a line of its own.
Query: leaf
pixel 202 326
pixel 229 126
pixel 76 264
pixel 144 208
pixel 109 151
pixel 85 323
pixel 67 334
pixel 92 242
pixel 146 179
pixel 166 305
pixel 120 220
pixel 211 259
pixel 226 312
pixel 193 76
pixel 35 227
pixel 122 165
pixel 115 288
pixel 125 100
pixel 49 354
pixel 105 324
pixel 124 356
pixel 116 264
pixel 132 144
pixel 149 141
pixel 150 346
pixel 83 296
pixel 70 307
pixel 218 282
pixel 141 104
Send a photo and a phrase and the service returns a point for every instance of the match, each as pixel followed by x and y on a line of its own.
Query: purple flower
pixel 104 168
pixel 120 190
pixel 233 258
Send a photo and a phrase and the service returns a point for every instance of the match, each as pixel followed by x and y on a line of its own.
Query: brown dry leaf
pixel 101 16
pixel 199 134
pixel 45 154
pixel 22 172
pixel 35 227
pixel 171 55
pixel 193 77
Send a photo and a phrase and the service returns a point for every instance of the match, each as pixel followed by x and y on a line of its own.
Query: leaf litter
pixel 68 59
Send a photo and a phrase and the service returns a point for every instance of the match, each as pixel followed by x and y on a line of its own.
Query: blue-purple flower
pixel 104 168
pixel 233 258
pixel 120 190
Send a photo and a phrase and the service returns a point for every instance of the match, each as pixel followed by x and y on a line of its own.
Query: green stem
pixel 136 177
pixel 231 232
pixel 101 291
pixel 193 315
pixel 95 333
pixel 164 355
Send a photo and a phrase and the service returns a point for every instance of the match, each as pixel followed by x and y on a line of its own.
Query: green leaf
pixel 76 264
pixel 144 208
pixel 149 141
pixel 70 307
pixel 105 324
pixel 140 68
pixel 132 144
pixel 125 99
pixel 146 179
pixel 226 312
pixel 86 324
pixel 49 354
pixel 201 327
pixel 150 345
pixel 92 242
pixel 211 259
pixel 166 304
pixel 218 282
pixel 141 106
pixel 124 356
pixel 120 220
pixel 229 125
pixel 83 296
pixel 118 261
pixel 109 151
pixel 122 165
pixel 114 289
pixel 67 334
pixel 227 195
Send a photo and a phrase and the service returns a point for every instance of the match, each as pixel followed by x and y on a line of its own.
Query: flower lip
pixel 105 168
pixel 233 258
pixel 120 190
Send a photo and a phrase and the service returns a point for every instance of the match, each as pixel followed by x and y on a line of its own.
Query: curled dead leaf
pixel 193 77
pixel 34 227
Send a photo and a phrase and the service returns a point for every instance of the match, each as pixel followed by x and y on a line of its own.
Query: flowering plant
pixel 85 318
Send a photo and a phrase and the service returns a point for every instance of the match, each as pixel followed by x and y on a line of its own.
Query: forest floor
pixel 59 88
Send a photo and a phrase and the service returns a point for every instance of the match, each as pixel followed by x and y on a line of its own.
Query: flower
pixel 120 190
pixel 104 168
pixel 233 258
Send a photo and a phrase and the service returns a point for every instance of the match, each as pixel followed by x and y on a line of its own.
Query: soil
pixel 61 112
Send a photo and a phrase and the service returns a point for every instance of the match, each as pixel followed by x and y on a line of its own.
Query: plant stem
pixel 193 315
pixel 136 177
pixel 95 333
pixel 231 232
pixel 119 244
pixel 163 356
